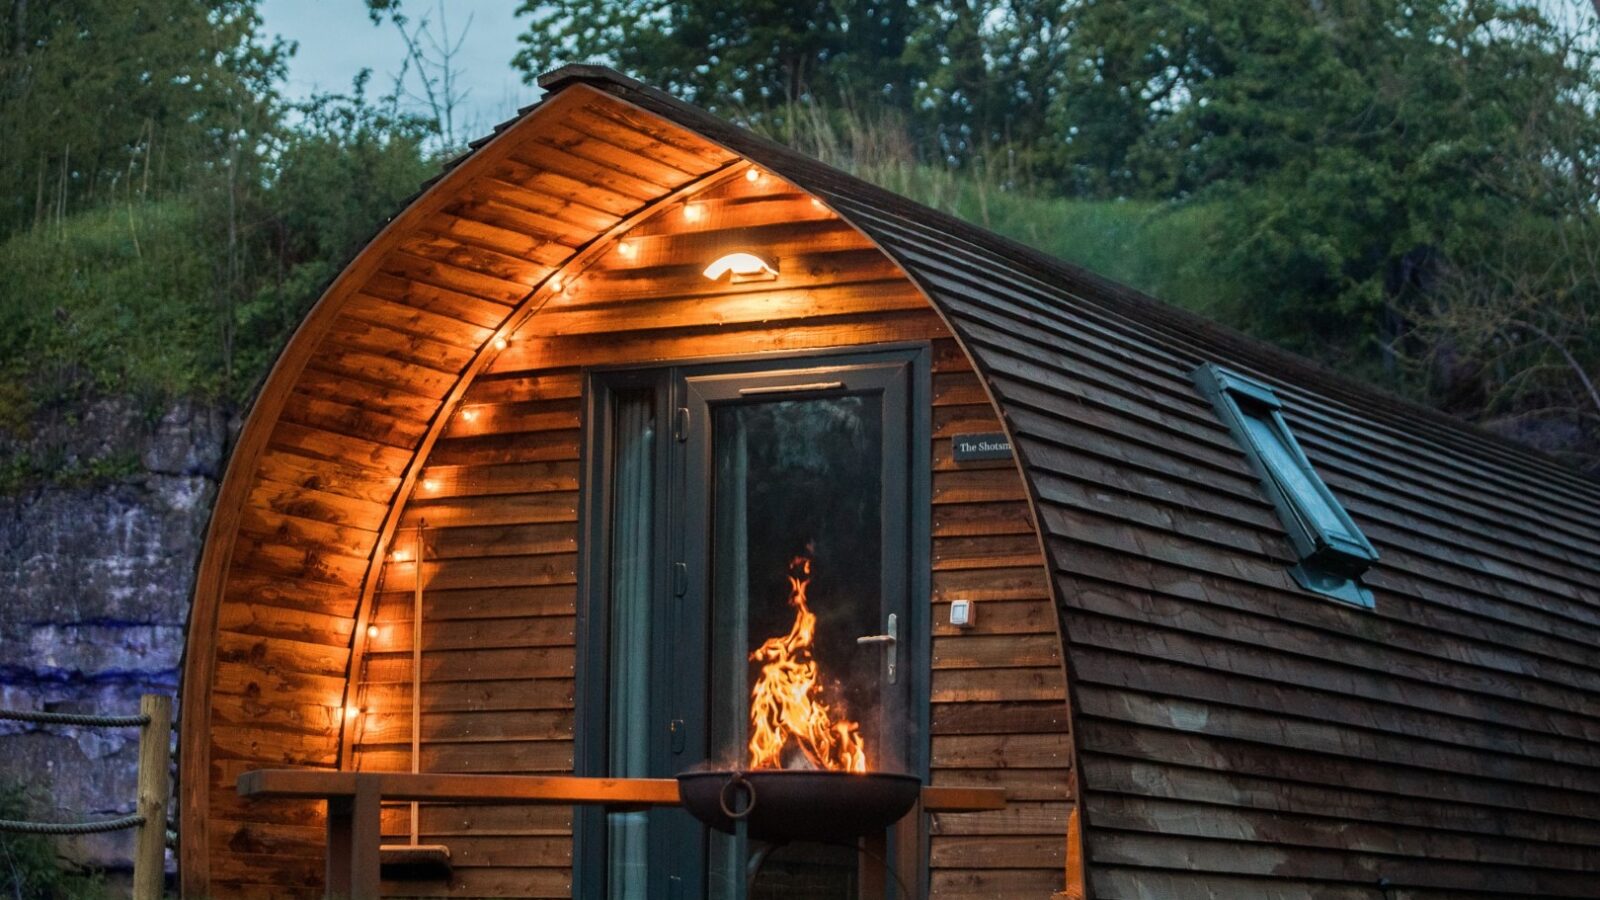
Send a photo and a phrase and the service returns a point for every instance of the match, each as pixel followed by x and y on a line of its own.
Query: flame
pixel 786 704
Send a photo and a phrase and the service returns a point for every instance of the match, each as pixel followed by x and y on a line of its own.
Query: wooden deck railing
pixel 355 798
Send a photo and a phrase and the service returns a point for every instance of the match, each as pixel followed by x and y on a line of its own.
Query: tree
pixel 1349 140
pixel 430 58
pixel 989 73
pixel 337 176
pixel 105 98
pixel 751 57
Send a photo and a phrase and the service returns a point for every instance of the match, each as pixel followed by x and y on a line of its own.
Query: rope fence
pixel 154 722
pixel 80 719
pixel 17 826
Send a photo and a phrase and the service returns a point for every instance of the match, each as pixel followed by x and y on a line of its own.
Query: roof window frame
pixel 1332 556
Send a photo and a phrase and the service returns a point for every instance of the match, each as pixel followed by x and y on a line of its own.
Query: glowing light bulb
pixel 817 203
pixel 742 266
pixel 350 712
pixel 429 484
pixel 400 556
pixel 693 212
pixel 500 343
pixel 752 174
pixel 627 249
pixel 372 631
pixel 469 413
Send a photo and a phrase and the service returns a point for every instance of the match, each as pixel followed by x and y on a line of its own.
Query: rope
pixel 19 827
pixel 54 718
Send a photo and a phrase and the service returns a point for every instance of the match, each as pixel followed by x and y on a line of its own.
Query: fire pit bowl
pixel 783 805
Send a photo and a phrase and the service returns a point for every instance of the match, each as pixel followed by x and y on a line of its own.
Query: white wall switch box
pixel 961 613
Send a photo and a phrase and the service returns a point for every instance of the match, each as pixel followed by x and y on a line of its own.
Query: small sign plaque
pixel 974 447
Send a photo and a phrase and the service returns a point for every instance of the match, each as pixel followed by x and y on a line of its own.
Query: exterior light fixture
pixel 469 413
pixel 752 174
pixel 429 484
pixel 500 343
pixel 693 212
pixel 372 631
pixel 627 249
pixel 741 267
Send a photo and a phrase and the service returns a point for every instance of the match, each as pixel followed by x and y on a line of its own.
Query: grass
pixel 117 301
pixel 1157 248
pixel 1160 248
pixel 29 866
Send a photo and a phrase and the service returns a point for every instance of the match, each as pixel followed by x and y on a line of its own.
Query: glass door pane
pixel 744 549
pixel 798 548
pixel 798 521
pixel 631 563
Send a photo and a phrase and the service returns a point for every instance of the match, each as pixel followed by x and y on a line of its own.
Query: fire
pixel 786 704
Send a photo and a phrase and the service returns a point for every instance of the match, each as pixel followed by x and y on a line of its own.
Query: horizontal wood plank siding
pixel 354 397
pixel 1240 737
pixel 498 495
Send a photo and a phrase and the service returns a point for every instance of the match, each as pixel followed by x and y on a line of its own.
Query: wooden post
pixel 155 755
pixel 366 833
pixel 354 830
pixel 337 876
pixel 416 680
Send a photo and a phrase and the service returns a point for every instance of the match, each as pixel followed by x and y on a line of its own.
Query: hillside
pixel 123 304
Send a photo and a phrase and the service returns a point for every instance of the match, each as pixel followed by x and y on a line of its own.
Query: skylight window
pixel 1333 552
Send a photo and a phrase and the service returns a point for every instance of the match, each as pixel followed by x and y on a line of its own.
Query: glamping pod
pixel 637 446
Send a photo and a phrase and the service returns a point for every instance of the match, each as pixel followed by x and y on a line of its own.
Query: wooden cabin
pixel 527 489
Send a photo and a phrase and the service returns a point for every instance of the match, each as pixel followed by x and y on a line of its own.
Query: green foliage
pixel 194 295
pixel 19 471
pixel 758 56
pixel 106 100
pixel 1404 190
pixel 1345 142
pixel 112 300
pixel 1146 244
pixel 339 174
pixel 985 75
pixel 28 864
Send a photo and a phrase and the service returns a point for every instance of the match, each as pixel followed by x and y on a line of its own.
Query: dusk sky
pixel 337 40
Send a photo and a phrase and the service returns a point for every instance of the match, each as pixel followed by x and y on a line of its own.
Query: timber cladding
pixel 1237 736
pixel 1234 735
pixel 499 495
pixel 441 396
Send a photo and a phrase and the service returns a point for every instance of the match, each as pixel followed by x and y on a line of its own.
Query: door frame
pixel 591 692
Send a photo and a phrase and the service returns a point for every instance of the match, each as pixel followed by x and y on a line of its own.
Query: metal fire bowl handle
pixel 737 779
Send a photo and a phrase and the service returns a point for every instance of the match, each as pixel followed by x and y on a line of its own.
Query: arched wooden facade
pixel 1228 734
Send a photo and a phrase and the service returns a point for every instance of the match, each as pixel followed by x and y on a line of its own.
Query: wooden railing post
pixel 155 756
pixel 354 832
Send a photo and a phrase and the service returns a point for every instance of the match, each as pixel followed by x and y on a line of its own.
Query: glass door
pixel 796 482
pixel 781 632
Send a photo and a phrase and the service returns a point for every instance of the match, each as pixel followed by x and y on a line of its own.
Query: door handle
pixel 887 640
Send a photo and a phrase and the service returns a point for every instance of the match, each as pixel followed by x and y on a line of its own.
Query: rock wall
pixel 95 582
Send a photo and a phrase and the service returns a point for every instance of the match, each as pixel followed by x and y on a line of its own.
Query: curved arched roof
pixel 1221 713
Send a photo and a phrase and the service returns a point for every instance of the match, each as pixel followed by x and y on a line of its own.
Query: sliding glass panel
pixel 633 493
